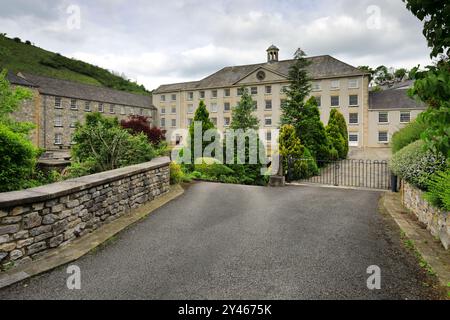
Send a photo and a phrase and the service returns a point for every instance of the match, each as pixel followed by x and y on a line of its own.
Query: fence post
pixel 394 183
pixel 336 174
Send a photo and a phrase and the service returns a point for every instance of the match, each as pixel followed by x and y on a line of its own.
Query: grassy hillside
pixel 17 56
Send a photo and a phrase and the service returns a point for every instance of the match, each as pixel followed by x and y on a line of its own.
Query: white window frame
pixel 356 81
pixel 58 103
pixel 214 107
pixel 87 106
pixel 122 110
pixel 202 95
pixel 268 90
pixel 162 122
pixel 58 121
pixel 316 86
pixel 163 98
pixel 101 107
pixel 333 85
pixel 112 108
pixel 174 97
pixel 357 118
pixel 353 143
pixel 349 100
pixel 172 123
pixel 190 108
pixel 387 117
pixel 227 92
pixel 73 121
pixel 225 109
pixel 173 108
pixel 214 94
pixel 318 101
pixel 58 139
pixel 254 93
pixel 405 112
pixel 163 111
pixel 73 104
pixel 331 101
pixel 266 103
pixel 225 124
pixel 190 96
pixel 265 121
pixel 387 137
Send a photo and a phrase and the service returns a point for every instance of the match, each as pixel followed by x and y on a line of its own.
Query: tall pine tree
pixel 304 115
pixel 337 133
pixel 242 116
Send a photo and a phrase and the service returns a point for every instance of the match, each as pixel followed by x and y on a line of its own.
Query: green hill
pixel 18 56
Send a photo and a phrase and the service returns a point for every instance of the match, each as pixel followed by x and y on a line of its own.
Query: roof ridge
pixel 77 83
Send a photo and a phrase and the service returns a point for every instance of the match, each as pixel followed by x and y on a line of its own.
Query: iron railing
pixel 373 174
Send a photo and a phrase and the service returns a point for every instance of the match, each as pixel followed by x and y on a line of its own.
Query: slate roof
pixel 321 67
pixel 74 90
pixel 393 99
pixel 14 79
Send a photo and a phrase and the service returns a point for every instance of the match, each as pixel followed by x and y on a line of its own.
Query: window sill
pixel 334 106
pixel 354 106
pixel 383 123
pixel 405 122
pixel 353 124
pixel 59 126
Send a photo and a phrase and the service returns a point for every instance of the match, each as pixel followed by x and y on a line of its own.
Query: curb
pixel 86 244
pixel 431 250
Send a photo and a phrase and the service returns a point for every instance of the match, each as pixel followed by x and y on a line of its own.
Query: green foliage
pixel 176 173
pixel 201 115
pixel 312 133
pixel 433 86
pixel 22 57
pixel 416 164
pixel 338 134
pixel 17 159
pixel 436 17
pixel 80 169
pixel 300 87
pixel 407 135
pixel 303 164
pixel 242 116
pixel 439 190
pixel 304 116
pixel 101 140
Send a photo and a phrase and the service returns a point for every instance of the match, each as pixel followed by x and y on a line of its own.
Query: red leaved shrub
pixel 141 124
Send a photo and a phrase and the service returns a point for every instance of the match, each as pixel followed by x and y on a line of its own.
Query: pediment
pixel 261 75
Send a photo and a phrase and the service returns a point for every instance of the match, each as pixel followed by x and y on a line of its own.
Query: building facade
pixel 335 84
pixel 58 105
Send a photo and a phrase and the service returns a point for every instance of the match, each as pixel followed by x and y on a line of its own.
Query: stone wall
pixel 35 221
pixel 437 221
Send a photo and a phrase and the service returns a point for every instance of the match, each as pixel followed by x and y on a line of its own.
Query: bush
pixel 439 190
pixel 416 164
pixel 304 165
pixel 176 174
pixel 407 135
pixel 141 124
pixel 104 142
pixel 17 159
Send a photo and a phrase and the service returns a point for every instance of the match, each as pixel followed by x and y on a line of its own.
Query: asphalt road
pixel 238 242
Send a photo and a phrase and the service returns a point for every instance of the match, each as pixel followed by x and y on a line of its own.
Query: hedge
pixel 416 164
pixel 407 135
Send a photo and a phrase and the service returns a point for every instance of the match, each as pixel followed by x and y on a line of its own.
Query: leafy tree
pixel 400 74
pixel 10 101
pixel 433 85
pixel 17 153
pixel 436 17
pixel 294 153
pixel 337 133
pixel 201 115
pixel 137 124
pixel 103 143
pixel 242 116
pixel 368 70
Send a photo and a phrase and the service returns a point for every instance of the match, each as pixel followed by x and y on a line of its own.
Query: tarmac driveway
pixel 222 241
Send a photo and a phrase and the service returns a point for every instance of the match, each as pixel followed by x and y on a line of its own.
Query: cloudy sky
pixel 157 42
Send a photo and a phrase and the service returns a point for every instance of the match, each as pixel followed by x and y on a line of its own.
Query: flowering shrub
pixel 416 164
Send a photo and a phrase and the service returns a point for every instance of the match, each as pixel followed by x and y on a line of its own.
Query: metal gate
pixel 373 174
